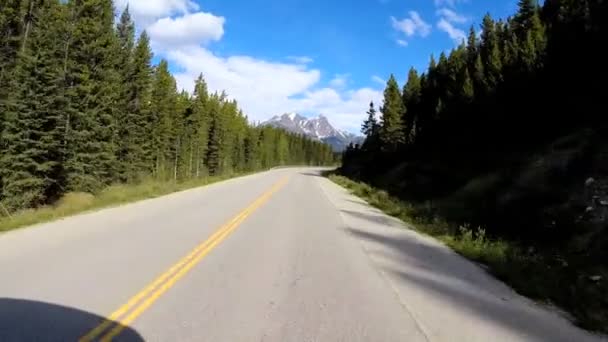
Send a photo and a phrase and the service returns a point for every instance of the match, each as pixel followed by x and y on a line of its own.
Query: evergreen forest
pixel 83 107
pixel 508 132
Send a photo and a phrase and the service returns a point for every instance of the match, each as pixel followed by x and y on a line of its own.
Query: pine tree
pixel 370 125
pixel 411 102
pixel 371 129
pixel 432 63
pixel 162 108
pixel 10 41
pixel 239 126
pixel 10 35
pixel 229 112
pixel 531 31
pixel 510 49
pixel 478 75
pixel 472 48
pixel 141 101
pixel 392 133
pixel 527 10
pixel 182 110
pixel 442 74
pixel 251 147
pixel 91 113
pixel 468 90
pixel 135 150
pixel 490 53
pixel 83 108
pixel 199 125
pixel 125 32
pixel 216 128
pixel 31 162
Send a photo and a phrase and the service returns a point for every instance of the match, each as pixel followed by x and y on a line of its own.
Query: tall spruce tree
pixel 182 108
pixel 125 32
pixel 490 53
pixel 370 126
pixel 392 132
pixel 472 48
pixel 93 92
pixel 135 143
pixel 251 150
pixel 11 28
pixel 216 127
pixel 31 163
pixel 199 127
pixel 371 129
pixel 527 10
pixel 411 102
pixel 162 108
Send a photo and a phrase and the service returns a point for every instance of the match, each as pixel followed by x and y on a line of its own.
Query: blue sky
pixel 311 56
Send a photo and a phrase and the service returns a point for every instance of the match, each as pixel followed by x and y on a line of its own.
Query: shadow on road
pixel 322 172
pixel 311 173
pixel 435 270
pixel 26 320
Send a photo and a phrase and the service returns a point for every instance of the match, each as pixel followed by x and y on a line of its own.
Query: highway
pixel 283 255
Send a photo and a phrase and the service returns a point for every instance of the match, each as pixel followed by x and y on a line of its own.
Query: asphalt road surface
pixel 283 255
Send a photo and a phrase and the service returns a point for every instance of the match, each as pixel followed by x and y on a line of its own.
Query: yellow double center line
pixel 126 314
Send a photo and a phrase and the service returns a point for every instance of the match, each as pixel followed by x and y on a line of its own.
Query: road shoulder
pixel 450 297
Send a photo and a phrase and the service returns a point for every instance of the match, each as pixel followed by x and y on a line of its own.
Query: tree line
pixel 522 81
pixel 82 106
pixel 502 94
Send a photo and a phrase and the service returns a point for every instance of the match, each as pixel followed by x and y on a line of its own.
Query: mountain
pixel 317 128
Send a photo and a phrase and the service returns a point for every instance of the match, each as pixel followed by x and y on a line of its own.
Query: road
pixel 283 255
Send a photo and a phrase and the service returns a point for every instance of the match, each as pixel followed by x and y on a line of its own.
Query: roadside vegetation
pixel 504 133
pixel 77 202
pixel 543 277
pixel 86 119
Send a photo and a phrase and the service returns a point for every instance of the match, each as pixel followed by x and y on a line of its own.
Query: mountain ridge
pixel 318 128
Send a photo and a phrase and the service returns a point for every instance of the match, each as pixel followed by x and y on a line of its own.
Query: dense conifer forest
pixel 508 132
pixel 82 107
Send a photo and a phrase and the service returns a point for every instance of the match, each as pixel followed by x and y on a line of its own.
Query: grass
pixel 566 283
pixel 473 244
pixel 74 203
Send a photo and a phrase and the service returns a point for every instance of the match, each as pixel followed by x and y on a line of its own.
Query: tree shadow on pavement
pixel 322 172
pixel 428 267
pixel 311 174
pixel 374 215
pixel 26 320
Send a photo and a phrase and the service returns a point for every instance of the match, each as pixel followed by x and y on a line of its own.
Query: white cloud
pixel 339 81
pixel 455 33
pixel 190 29
pixel 344 109
pixel 450 3
pixel 146 11
pixel 301 59
pixel 451 16
pixel 265 88
pixel 243 76
pixel 262 88
pixel 413 25
pixel 402 42
pixel 378 80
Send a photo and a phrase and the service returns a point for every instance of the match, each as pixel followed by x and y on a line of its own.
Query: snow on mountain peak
pixel 317 128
